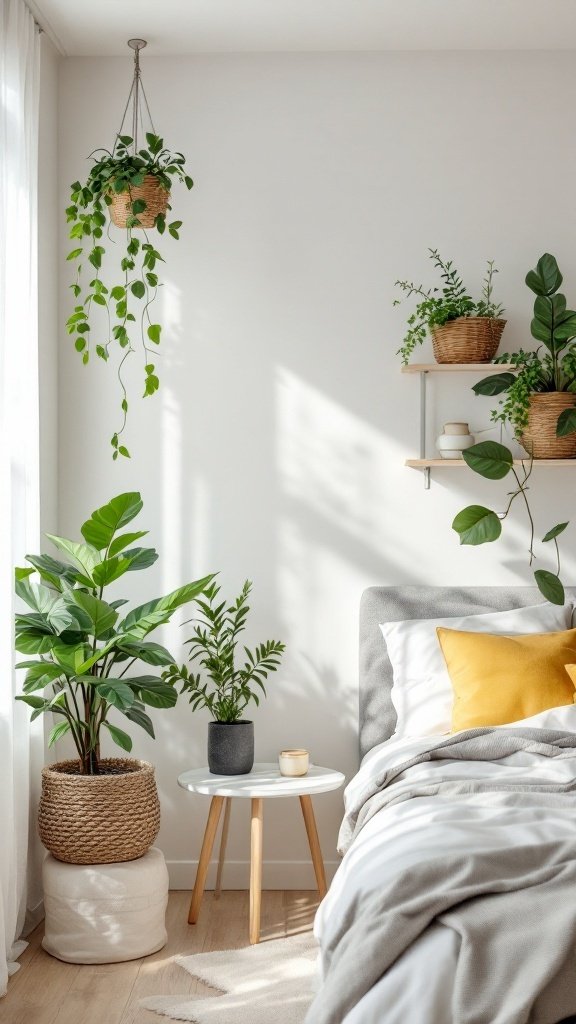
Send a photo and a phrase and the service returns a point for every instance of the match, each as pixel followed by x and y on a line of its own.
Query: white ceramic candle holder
pixel 293 762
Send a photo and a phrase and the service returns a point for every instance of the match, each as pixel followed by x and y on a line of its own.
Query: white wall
pixel 275 448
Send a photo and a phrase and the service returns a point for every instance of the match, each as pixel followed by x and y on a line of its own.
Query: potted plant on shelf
pixel 477 524
pixel 95 809
pixel 540 401
pixel 224 687
pixel 463 330
pixel 134 185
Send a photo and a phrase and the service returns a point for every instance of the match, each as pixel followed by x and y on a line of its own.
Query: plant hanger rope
pixel 134 186
pixel 136 88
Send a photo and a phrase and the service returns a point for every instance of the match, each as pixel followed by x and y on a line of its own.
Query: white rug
pixel 273 981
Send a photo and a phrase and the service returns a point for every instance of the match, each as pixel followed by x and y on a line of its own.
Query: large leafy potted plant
pixel 463 329
pixel 95 809
pixel 540 401
pixel 134 185
pixel 224 687
pixel 477 524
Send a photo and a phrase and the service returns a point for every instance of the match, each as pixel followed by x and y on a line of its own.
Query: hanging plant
pixel 133 184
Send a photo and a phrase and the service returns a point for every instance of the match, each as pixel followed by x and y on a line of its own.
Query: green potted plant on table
pixel 95 809
pixel 133 184
pixel 464 330
pixel 540 401
pixel 224 687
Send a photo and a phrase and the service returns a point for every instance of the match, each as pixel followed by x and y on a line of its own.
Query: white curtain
pixel 19 476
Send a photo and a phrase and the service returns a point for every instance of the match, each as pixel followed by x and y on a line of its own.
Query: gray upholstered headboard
pixel 391 604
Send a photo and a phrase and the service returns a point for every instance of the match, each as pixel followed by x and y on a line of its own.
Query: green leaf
pixel 69 656
pixel 47 603
pixel 122 739
pixel 126 140
pixel 554 532
pixel 52 570
pixel 22 573
pixel 33 702
pixel 116 692
pixel 546 278
pixel 489 459
pixel 550 586
pixel 141 558
pixel 57 732
pixel 154 333
pixel 121 542
pixel 100 615
pixel 138 288
pixel 146 617
pixel 74 254
pixel 137 715
pixel 117 293
pixel 85 555
pixel 111 569
pixel 566 423
pixel 153 691
pixel 40 674
pixel 188 181
pixel 99 530
pixel 146 651
pixel 138 206
pixel 34 643
pixel 495 384
pixel 160 223
pixel 477 525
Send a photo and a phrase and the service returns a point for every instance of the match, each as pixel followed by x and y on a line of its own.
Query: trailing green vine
pixel 125 301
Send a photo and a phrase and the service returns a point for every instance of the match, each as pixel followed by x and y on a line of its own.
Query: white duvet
pixel 418 987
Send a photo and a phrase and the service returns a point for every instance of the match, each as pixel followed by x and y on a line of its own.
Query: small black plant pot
pixel 230 747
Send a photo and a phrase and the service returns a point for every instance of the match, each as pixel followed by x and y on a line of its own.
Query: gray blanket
pixel 514 908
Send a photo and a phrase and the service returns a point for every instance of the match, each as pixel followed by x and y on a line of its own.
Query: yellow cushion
pixel 498 679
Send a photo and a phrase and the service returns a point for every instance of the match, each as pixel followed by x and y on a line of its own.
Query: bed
pixel 455 902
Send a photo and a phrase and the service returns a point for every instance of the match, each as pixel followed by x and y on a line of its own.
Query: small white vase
pixel 453 440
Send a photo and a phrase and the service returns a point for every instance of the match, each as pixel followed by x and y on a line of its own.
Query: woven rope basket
pixel 151 191
pixel 468 339
pixel 539 437
pixel 99 819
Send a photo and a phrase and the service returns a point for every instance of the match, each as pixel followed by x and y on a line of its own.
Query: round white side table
pixel 263 782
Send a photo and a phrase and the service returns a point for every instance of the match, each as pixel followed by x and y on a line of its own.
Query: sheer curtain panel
pixel 19 479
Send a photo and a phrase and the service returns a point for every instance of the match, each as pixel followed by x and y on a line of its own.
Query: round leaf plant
pixel 124 298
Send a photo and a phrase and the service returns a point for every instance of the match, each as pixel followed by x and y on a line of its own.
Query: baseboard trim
pixel 276 874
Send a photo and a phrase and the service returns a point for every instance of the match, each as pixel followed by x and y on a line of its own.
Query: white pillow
pixel 422 693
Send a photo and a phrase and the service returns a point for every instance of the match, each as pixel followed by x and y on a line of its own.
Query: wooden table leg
pixel 314 843
pixel 223 844
pixel 205 854
pixel 256 869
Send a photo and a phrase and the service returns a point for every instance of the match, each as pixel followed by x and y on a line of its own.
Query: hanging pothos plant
pixel 135 184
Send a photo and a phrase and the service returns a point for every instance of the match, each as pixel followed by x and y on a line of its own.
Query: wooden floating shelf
pixel 456 367
pixel 460 464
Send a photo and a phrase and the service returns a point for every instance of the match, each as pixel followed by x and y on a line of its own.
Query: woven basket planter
pixel 468 339
pixel 99 819
pixel 539 437
pixel 151 191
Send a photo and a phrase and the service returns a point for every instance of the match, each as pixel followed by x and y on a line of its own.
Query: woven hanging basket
pixel 151 191
pixel 99 819
pixel 468 339
pixel 539 437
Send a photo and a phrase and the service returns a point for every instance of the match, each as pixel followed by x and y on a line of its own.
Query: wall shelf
pixel 460 464
pixel 424 464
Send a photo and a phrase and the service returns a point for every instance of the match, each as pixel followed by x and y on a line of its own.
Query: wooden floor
pixel 47 991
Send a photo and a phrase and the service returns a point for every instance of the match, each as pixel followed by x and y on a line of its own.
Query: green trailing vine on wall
pixel 126 300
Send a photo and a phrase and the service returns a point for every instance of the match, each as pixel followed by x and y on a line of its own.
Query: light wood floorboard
pixel 47 991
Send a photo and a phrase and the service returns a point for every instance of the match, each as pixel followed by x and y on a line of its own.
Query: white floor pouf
pixel 105 913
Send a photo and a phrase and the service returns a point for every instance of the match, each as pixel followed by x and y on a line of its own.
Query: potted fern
pixel 223 686
pixel 540 402
pixel 464 330
pixel 95 809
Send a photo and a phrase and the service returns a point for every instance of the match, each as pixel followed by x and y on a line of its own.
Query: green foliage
pixel 476 524
pixel 228 688
pixel 554 369
pixel 83 652
pixel 438 306
pixel 126 301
